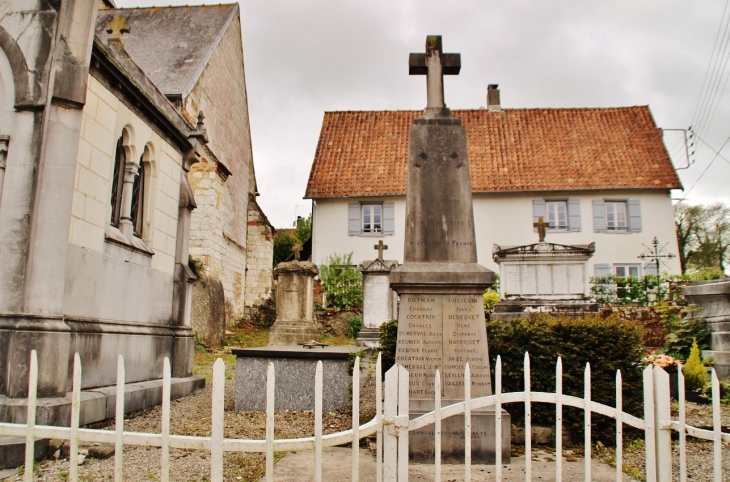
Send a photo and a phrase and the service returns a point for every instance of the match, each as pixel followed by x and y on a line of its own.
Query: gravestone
pixel 441 320
pixel 294 303
pixel 379 301
pixel 712 299
pixel 545 277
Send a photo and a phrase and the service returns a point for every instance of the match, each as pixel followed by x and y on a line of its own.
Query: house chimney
pixel 493 104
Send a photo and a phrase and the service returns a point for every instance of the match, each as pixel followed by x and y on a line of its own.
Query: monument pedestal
pixel 421 441
pixel 294 304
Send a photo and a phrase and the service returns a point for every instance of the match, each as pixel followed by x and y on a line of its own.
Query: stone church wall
pixel 219 225
pixel 260 253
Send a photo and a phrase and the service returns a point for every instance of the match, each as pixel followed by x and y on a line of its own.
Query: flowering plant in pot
pixel 670 365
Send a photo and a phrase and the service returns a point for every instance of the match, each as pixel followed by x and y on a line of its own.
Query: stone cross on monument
pixel 541 227
pixel 116 28
pixel 434 64
pixel 380 247
pixel 297 249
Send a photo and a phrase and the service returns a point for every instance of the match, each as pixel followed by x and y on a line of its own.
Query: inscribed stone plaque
pixel 576 278
pixel 529 280
pixel 544 279
pixel 420 341
pixel 465 341
pixel 512 283
pixel 560 279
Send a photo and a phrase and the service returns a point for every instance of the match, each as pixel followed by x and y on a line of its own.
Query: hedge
pixel 609 344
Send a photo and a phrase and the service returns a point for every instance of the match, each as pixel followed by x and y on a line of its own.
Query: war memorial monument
pixel 441 321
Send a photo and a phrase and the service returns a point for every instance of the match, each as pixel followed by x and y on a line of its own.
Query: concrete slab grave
pixel 441 320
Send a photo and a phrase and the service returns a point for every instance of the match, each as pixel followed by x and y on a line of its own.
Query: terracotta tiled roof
pixel 364 153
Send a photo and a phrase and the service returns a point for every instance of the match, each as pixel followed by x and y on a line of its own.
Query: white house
pixel 597 175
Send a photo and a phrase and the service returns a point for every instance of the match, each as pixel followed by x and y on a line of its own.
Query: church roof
pixel 365 153
pixel 172 45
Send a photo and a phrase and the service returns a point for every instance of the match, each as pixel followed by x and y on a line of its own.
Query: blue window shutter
pixel 599 216
pixel 538 209
pixel 574 215
pixel 602 270
pixel 634 206
pixel 388 218
pixel 353 219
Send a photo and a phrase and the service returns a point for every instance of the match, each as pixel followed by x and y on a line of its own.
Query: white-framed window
pixel 619 269
pixel 626 270
pixel 557 215
pixel 617 216
pixel 560 214
pixel 371 218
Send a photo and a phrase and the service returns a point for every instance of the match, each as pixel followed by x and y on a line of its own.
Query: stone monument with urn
pixel 441 322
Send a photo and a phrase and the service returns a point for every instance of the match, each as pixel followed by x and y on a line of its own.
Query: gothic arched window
pixel 138 190
pixel 118 183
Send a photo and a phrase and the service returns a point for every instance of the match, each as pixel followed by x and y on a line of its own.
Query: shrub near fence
pixel 609 344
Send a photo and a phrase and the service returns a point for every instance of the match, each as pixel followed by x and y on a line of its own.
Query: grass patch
pixel 241 337
pixel 336 340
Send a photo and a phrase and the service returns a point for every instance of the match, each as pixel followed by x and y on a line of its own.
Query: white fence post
pixel 217 421
pixel 165 462
pixel 498 419
pixel 559 420
pixel 528 420
pixel 119 423
pixel 270 401
pixel 663 416
pixel 649 440
pixel 402 423
pixel 588 424
pixel 717 427
pixel 356 420
pixel 317 423
pixel 619 427
pixel 73 457
pixel 467 423
pixel 437 426
pixel 30 417
pixel 379 418
pixel 682 428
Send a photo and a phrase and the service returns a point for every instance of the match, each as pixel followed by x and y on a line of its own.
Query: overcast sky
pixel 303 58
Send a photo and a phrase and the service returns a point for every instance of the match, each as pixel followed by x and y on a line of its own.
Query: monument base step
pixel 369 337
pixel 96 405
pixel 421 441
pixel 292 333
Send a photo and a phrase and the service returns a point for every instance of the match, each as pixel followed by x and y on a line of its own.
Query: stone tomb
pixel 441 321
pixel 294 369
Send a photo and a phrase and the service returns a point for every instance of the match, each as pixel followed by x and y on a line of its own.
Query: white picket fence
pixel 391 424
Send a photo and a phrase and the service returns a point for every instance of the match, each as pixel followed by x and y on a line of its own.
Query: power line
pixel 708 166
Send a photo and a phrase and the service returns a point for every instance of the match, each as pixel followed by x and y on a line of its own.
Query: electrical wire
pixel 708 166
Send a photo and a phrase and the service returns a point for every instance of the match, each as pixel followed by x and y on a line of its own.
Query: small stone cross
pixel 117 27
pixel 541 227
pixel 380 247
pixel 434 64
pixel 297 249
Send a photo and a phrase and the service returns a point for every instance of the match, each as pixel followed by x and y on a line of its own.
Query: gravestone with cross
pixel 379 301
pixel 441 320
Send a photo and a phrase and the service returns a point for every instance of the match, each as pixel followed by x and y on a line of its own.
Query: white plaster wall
pixel 506 219
pixel 329 232
pixel 104 119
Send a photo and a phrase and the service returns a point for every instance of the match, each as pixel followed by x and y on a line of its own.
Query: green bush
pixel 354 327
pixel 608 344
pixel 341 283
pixel 695 374
pixel 388 341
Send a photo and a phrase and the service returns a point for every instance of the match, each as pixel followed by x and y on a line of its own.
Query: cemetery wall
pixel 506 219
pixel 218 234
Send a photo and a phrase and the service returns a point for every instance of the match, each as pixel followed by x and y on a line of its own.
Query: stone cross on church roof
pixel 117 27
pixel 434 64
